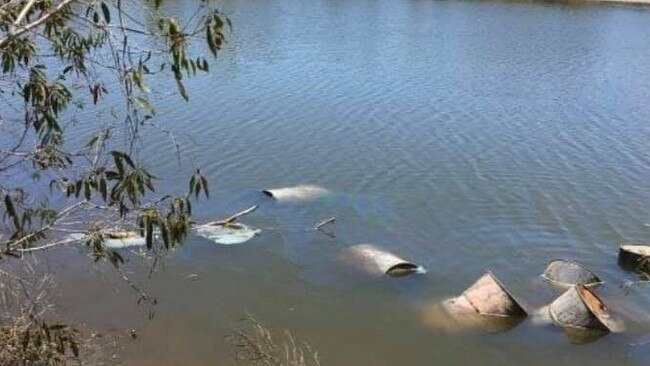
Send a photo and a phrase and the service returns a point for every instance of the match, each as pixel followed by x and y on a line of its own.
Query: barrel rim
pixel 621 247
pixel 409 268
pixel 581 289
pixel 268 193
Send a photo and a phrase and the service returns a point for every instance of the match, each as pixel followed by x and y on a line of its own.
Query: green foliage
pixel 198 183
pixel 60 56
pixel 50 52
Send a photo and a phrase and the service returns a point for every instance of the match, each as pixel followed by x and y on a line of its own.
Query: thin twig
pixel 24 12
pixel 46 246
pixel 232 218
pixel 321 225
pixel 12 245
pixel 331 220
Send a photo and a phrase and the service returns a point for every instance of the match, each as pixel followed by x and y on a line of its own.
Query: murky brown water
pixel 465 135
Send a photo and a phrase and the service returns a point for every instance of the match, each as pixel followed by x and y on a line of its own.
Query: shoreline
pixel 628 2
pixel 639 3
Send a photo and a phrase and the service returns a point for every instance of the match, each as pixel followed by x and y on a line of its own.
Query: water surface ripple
pixel 468 135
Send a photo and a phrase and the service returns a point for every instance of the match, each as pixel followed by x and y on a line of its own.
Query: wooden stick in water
pixel 234 217
pixel 320 225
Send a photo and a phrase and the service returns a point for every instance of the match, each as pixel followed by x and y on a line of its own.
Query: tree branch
pixel 46 246
pixel 12 244
pixel 34 24
pixel 24 12
pixel 232 218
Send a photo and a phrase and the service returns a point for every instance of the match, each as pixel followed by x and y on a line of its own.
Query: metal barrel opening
pixel 402 269
pixel 268 193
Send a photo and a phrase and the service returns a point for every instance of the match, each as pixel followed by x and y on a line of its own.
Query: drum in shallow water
pixel 116 239
pixel 486 304
pixel 488 296
pixel 297 193
pixel 579 307
pixel 378 262
pixel 563 274
pixel 227 234
pixel 445 317
pixel 631 256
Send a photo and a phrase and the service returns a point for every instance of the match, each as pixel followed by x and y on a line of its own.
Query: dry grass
pixel 37 343
pixel 255 346
pixel 27 335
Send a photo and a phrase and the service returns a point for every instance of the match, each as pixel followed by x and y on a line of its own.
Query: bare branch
pixel 47 246
pixel 320 225
pixel 24 12
pixel 66 212
pixel 232 218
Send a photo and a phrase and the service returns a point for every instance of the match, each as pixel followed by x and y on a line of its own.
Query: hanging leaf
pixel 9 206
pixel 102 188
pixel 107 13
pixel 210 39
pixel 145 104
pixel 77 191
pixel 192 183
pixel 115 258
pixel 181 89
pixel 204 184
pixel 164 233
pixel 149 234
pixel 123 156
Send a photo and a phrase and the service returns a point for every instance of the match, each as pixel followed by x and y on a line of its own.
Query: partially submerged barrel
pixel 580 307
pixel 486 304
pixel 379 262
pixel 488 296
pixel 228 234
pixel 296 193
pixel 564 273
pixel 116 239
pixel 123 239
pixel 631 256
pixel 121 234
